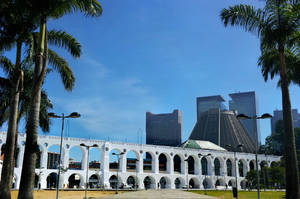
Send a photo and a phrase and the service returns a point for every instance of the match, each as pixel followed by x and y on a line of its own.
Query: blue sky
pixel 155 56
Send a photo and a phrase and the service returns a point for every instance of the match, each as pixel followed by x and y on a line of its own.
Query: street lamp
pixel 53 115
pixel 136 174
pixel 118 156
pixel 254 118
pixel 87 166
pixel 236 170
pixel 199 155
pixel 187 174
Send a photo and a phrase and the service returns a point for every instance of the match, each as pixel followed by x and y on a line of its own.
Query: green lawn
pixel 244 194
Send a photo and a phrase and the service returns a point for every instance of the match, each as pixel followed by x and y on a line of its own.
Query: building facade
pixel 246 103
pixel 209 102
pixel 164 129
pixel 277 115
pixel 173 173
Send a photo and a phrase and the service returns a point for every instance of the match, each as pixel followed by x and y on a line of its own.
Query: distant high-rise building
pixel 209 102
pixel 246 103
pixel 164 129
pixel 277 115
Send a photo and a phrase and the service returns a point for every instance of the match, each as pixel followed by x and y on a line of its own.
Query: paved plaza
pixel 159 194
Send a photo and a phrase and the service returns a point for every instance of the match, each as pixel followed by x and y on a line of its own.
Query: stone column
pixel 44 158
pixel 105 165
pixel 170 168
pixel 155 164
pixel 197 166
pixel 65 158
pixel 140 165
pixel 123 163
pixel 84 158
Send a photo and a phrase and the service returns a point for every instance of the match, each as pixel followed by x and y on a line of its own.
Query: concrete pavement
pixel 158 194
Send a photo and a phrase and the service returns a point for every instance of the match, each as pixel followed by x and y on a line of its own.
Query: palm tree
pixel 277 26
pixel 57 38
pixel 47 9
pixel 15 23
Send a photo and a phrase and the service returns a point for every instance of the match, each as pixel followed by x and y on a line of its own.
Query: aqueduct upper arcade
pixel 171 167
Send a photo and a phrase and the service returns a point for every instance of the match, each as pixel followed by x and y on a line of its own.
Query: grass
pixel 243 194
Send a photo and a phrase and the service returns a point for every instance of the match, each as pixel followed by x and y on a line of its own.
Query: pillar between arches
pixel 156 164
pixel 123 163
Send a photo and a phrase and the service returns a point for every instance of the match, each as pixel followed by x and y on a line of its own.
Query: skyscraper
pixel 164 129
pixel 210 102
pixel 277 115
pixel 246 103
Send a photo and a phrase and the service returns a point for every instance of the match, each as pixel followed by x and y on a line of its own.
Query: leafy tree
pixel 46 9
pixel 277 26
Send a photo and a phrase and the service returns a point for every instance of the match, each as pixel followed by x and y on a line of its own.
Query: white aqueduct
pixel 202 174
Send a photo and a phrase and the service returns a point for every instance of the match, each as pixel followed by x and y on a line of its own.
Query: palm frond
pixel 88 7
pixel 63 68
pixel 245 16
pixel 6 65
pixel 64 40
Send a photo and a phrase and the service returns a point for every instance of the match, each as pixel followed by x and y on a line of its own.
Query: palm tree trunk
pixel 291 169
pixel 31 146
pixel 8 163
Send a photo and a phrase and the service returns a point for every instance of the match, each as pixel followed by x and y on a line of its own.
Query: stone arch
pixel 165 182
pixel 179 183
pixel 148 162
pixel 132 181
pixel 274 164
pixel 220 182
pixel 231 183
pixel 229 167
pixel 132 160
pixel 207 183
pixel 76 156
pixel 149 182
pixel 75 181
pixel 263 164
pixel 94 181
pixel 51 180
pixel 164 163
pixel 95 159
pixel 191 165
pixel 242 168
pixel 244 184
pixel 194 183
pixel 53 156
pixel 252 165
pixel 217 166
pixel 178 164
pixel 114 160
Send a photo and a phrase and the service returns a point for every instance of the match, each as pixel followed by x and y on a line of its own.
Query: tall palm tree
pixel 277 26
pixel 57 38
pixel 15 24
pixel 47 9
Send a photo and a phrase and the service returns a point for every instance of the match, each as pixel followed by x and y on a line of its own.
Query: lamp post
pixel 187 174
pixel 254 118
pixel 136 174
pixel 118 156
pixel 236 166
pixel 63 117
pixel 199 155
pixel 87 166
